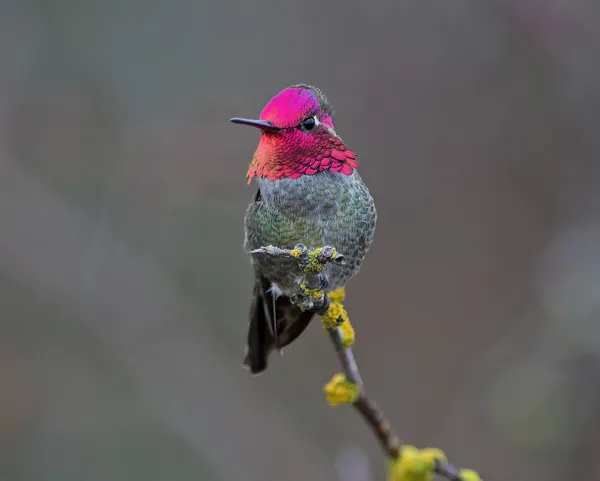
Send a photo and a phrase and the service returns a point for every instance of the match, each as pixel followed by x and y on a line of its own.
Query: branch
pixel 371 413
pixel 366 407
pixel 406 463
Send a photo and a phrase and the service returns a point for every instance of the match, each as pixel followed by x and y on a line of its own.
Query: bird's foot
pixel 309 262
pixel 314 262
pixel 311 299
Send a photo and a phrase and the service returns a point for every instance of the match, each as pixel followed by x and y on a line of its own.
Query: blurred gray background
pixel 124 290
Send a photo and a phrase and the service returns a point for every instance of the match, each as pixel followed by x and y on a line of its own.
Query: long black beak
pixel 261 124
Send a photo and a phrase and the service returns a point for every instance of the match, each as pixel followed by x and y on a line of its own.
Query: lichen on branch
pixel 404 462
pixel 341 391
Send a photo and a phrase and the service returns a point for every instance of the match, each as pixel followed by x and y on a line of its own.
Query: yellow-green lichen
pixel 347 332
pixel 335 316
pixel 338 295
pixel 313 293
pixel 340 391
pixel 313 265
pixel 469 475
pixel 414 464
pixel 296 253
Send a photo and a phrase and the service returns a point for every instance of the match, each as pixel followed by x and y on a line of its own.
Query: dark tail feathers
pixel 265 333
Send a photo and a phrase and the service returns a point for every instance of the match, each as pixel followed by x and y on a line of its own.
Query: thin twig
pixel 346 358
pixel 371 413
pixel 365 406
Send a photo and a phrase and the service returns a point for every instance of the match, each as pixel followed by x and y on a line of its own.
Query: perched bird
pixel 309 192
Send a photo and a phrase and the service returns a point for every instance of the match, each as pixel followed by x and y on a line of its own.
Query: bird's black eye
pixel 309 123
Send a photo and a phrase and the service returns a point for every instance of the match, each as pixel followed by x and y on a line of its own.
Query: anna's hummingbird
pixel 309 192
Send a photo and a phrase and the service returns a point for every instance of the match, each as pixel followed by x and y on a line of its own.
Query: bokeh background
pixel 124 290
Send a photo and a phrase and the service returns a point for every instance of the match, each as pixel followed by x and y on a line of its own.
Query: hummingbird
pixel 309 192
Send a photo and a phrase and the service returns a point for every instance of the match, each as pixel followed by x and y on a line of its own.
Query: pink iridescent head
pixel 298 137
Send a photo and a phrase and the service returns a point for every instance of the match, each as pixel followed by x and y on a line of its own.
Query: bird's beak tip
pixel 264 125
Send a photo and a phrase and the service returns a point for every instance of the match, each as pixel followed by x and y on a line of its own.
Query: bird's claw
pixel 309 261
pixel 315 261
pixel 307 301
pixel 310 296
